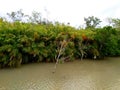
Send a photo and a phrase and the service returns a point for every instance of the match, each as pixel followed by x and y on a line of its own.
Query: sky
pixel 72 11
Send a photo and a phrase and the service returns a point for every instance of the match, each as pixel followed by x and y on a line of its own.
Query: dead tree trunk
pixel 60 50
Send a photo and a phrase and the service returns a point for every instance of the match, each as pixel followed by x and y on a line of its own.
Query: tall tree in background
pixel 16 16
pixel 91 22
pixel 116 23
pixel 36 17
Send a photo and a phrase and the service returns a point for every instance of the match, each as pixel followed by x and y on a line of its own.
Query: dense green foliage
pixel 29 42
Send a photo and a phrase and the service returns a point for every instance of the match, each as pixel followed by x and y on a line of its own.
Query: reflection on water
pixel 76 75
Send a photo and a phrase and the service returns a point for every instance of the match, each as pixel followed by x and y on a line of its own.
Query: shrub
pixel 25 42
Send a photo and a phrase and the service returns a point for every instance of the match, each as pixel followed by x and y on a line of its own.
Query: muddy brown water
pixel 76 75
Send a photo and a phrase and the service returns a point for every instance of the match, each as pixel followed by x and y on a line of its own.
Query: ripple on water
pixel 77 75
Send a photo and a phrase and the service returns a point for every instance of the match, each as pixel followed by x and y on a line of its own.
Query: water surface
pixel 76 75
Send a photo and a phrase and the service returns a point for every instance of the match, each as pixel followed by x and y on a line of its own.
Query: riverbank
pixel 22 43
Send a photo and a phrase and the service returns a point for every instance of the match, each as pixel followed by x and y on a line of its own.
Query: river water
pixel 76 75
